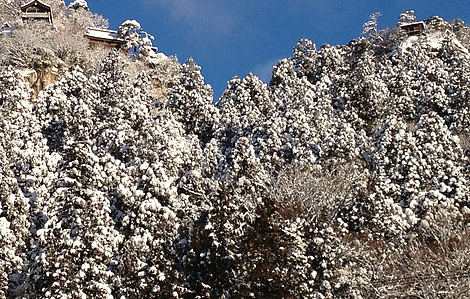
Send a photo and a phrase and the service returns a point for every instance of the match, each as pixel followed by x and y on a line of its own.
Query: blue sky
pixel 228 38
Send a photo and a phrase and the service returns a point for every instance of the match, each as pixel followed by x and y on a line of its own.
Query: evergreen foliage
pixel 345 177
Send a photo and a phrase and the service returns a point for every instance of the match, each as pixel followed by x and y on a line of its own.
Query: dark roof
pixel 35 2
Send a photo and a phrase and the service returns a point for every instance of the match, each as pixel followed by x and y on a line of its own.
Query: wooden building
pixel 413 29
pixel 36 10
pixel 103 37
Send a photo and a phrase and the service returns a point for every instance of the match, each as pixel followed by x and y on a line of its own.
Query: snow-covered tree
pixel 371 26
pixel 78 4
pixel 137 40
pixel 22 162
pixel 407 17
pixel 191 102
pixel 345 177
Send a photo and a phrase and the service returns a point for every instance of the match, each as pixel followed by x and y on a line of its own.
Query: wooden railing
pixel 36 15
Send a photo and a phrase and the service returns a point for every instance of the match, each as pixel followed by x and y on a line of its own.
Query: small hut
pixel 413 29
pixel 36 11
pixel 103 37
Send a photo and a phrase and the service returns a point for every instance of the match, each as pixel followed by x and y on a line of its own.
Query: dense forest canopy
pixel 345 177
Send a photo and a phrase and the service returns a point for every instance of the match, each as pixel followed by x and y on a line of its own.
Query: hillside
pixel 345 177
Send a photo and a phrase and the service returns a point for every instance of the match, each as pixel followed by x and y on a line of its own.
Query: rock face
pixel 39 81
